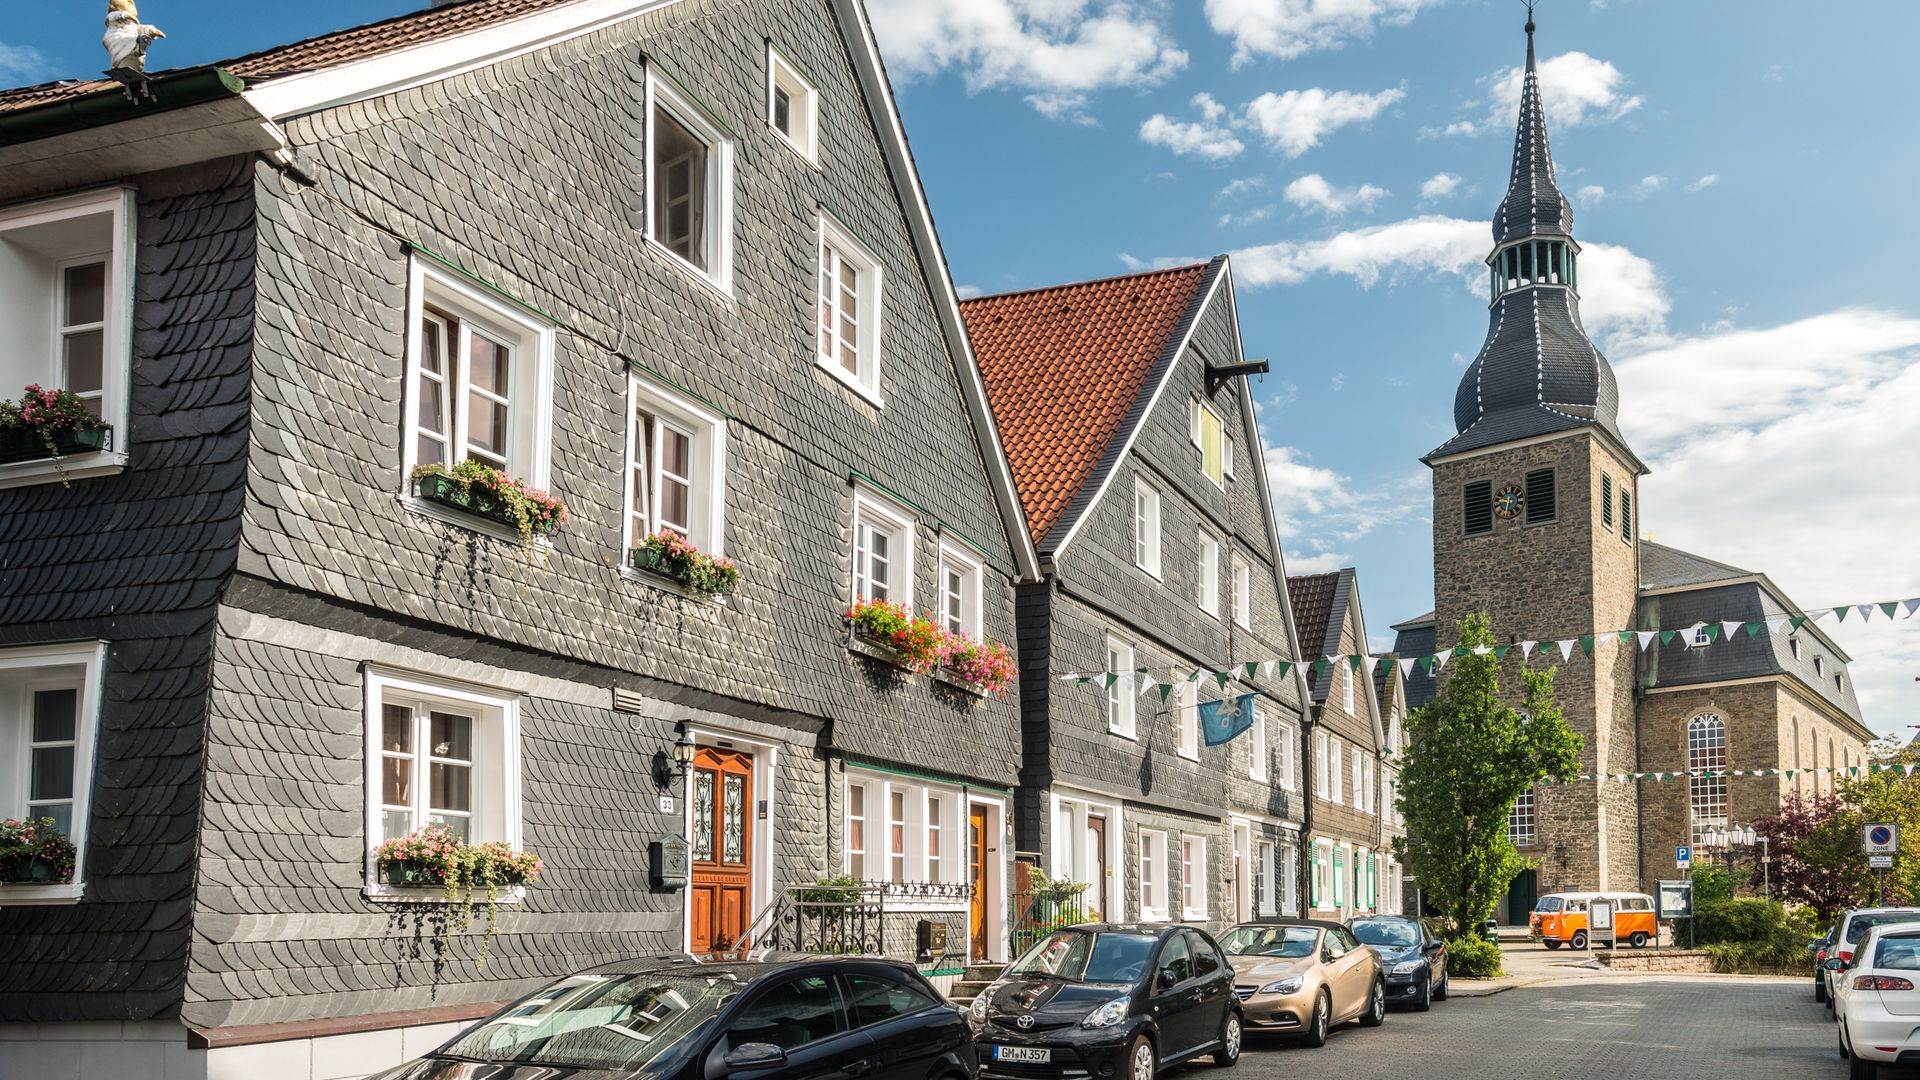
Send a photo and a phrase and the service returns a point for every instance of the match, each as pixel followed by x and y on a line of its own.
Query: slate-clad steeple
pixel 1537 373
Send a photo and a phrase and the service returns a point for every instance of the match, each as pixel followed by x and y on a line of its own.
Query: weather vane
pixel 126 42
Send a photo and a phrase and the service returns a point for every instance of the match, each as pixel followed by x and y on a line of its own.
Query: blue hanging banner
pixel 1220 722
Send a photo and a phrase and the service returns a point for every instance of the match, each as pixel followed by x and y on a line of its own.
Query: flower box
pixel 29 444
pixel 443 491
pixel 407 874
pixel 478 489
pixel 668 555
pixel 30 871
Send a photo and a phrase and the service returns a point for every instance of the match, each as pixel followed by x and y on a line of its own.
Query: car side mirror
pixel 1167 981
pixel 754 1055
pixel 1434 946
pixel 1836 964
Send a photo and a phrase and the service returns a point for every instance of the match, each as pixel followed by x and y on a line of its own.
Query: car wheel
pixel 1820 989
pixel 1440 992
pixel 1230 1034
pixel 1860 1068
pixel 1579 939
pixel 1551 944
pixel 1317 1024
pixel 1376 1013
pixel 1638 940
pixel 1142 1064
pixel 1424 1000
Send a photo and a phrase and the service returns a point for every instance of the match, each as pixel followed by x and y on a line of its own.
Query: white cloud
pixel 1294 122
pixel 968 292
pixel 1312 192
pixel 1440 186
pixel 1590 194
pixel 1338 382
pixel 1782 449
pixel 1209 137
pixel 1704 182
pixel 1574 88
pixel 1429 244
pixel 1289 28
pixel 1244 186
pixel 1321 512
pixel 1648 185
pixel 1058 51
pixel 22 64
pixel 1621 296
pixel 1245 218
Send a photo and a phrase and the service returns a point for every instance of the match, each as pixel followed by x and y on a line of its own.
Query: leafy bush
pixel 1784 955
pixel 1711 883
pixel 1748 921
pixel 1470 957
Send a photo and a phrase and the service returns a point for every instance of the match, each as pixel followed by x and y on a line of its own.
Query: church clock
pixel 1508 501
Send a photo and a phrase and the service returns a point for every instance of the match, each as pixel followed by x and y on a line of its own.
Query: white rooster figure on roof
pixel 126 41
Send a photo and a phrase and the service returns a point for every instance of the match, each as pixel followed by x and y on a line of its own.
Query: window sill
pixel 1130 736
pixel 721 287
pixel 469 522
pixel 27 894
pixel 1185 756
pixel 381 892
pixel 674 588
pixel 70 466
pixel 1152 916
pixel 1195 915
pixel 852 383
pixel 812 159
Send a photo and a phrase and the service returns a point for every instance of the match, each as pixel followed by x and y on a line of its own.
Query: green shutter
pixel 1606 500
pixel 1626 517
pixel 1313 875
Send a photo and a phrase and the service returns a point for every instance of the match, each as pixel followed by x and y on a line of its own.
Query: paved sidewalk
pixel 1529 964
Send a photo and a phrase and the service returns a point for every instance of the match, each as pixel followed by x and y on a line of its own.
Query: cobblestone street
pixel 1622 1028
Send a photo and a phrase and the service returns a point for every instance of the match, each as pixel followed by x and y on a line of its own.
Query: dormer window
pixel 1534 262
pixel 1819 666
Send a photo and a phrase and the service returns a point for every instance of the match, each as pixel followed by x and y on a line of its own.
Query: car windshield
pixel 1387 933
pixel 1087 956
pixel 1858 926
pixel 1548 903
pixel 613 1022
pixel 1285 942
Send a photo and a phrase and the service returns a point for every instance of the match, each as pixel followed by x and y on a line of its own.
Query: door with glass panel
pixel 720 897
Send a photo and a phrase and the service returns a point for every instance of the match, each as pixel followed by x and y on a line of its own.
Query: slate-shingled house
pixel 1129 426
pixel 668 260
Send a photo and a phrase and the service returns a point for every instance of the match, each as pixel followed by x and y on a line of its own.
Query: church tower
pixel 1534 502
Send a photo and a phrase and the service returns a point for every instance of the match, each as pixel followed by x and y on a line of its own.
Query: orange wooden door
pixel 977 877
pixel 720 894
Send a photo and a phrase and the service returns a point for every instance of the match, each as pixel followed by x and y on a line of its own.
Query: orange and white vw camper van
pixel 1561 918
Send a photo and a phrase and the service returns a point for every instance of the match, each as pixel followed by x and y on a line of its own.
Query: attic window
pixel 1839 684
pixel 1216 450
pixel 1794 644
pixel 793 106
pixel 1477 500
pixel 1819 666
pixel 689 184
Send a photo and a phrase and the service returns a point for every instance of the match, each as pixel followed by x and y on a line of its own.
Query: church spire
pixel 1533 205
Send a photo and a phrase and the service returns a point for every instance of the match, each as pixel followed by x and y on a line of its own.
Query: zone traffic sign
pixel 1880 838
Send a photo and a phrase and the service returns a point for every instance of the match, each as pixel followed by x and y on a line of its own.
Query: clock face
pixel 1507 502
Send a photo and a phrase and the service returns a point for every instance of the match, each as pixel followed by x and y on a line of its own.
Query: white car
pixel 1852 927
pixel 1876 1001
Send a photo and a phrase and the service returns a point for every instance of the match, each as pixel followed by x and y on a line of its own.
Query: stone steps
pixel 977 978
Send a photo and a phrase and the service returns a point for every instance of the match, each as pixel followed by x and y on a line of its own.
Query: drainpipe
pixel 1309 717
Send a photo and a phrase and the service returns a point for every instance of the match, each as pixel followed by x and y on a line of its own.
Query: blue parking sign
pixel 1683 855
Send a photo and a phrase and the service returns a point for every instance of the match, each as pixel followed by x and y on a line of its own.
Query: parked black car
pixel 1412 958
pixel 673 1018
pixel 1110 1002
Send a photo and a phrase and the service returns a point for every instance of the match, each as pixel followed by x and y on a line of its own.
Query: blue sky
pixel 1740 172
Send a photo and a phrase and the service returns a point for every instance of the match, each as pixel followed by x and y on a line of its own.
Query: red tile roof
pixel 327 50
pixel 1064 366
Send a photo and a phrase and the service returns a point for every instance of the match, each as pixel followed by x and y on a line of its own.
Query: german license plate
pixel 1022 1053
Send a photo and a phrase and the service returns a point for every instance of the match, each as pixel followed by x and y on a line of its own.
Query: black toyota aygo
pixel 1109 1002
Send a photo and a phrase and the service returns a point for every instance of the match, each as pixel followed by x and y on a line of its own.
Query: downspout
pixel 1311 717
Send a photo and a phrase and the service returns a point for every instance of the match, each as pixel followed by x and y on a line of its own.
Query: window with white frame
pixel 1358 786
pixel 1120 698
pixel 1226 455
pixel 1208 595
pixel 1701 639
pixel 49 717
pixel 960 587
pixel 1146 527
pixel 1209 434
pixel 1193 876
pixel 1242 592
pixel 1257 763
pixel 902 829
pixel 439 754
pixel 882 551
pixel 1153 876
pixel 793 106
pixel 1520 820
pixel 1289 740
pixel 1323 875
pixel 1707 779
pixel 1321 764
pixel 66 304
pixel 480 375
pixel 850 307
pixel 1266 869
pixel 1187 729
pixel 676 468
pixel 1333 770
pixel 689 183
pixel 1287 887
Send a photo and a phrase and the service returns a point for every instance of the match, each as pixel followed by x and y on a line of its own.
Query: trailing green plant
pixel 916 641
pixel 1470 956
pixel 47 415
pixel 667 552
pixel 533 512
pixel 35 839
pixel 462 869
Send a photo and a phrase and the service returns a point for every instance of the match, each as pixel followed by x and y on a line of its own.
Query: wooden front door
pixel 977 877
pixel 1097 847
pixel 720 897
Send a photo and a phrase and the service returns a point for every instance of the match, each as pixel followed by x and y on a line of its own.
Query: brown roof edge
pixel 249 1034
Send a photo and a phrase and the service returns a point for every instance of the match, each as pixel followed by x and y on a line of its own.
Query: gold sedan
pixel 1303 978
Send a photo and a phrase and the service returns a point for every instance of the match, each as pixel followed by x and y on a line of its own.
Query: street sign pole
pixel 1881 841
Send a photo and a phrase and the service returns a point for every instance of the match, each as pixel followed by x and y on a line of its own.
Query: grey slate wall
pixel 138 560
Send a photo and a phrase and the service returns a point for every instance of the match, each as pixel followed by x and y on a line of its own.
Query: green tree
pixel 1472 755
pixel 1888 795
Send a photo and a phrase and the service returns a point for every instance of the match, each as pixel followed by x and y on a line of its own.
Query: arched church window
pixel 1706 767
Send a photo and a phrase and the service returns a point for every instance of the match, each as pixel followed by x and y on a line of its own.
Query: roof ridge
pixel 1037 289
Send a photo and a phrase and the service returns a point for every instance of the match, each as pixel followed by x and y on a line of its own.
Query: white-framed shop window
pixel 1154 899
pixel 901 829
pixel 1257 763
pixel 1146 527
pixel 961 579
pixel 883 538
pixel 1208 570
pixel 793 105
pixel 479 379
pixel 1242 592
pixel 1187 721
pixel 1120 696
pixel 49 727
pixel 1289 742
pixel 439 754
pixel 689 178
pixel 676 468
pixel 66 315
pixel 851 305
pixel 1193 876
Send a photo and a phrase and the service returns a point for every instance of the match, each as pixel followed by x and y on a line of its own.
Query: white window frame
pixel 1208 568
pixel 1289 747
pixel 1146 527
pixel 1336 749
pixel 1321 763
pixel 1155 900
pixel 1346 685
pixel 1700 637
pixel 530 385
pixel 870 294
pixel 497 729
pixel 1187 723
pixel 1121 715
pixel 871 511
pixel 1266 898
pixel 23 670
pixel 1201 414
pixel 1193 853
pixel 803 101
pixel 917 859
pixel 21 300
pixel 1523 820
pixel 1359 780
pixel 1287 882
pixel 972 572
pixel 707 498
pixel 1257 766
pixel 1242 592
pixel 1325 890
pixel 1074 860
pixel 663 94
